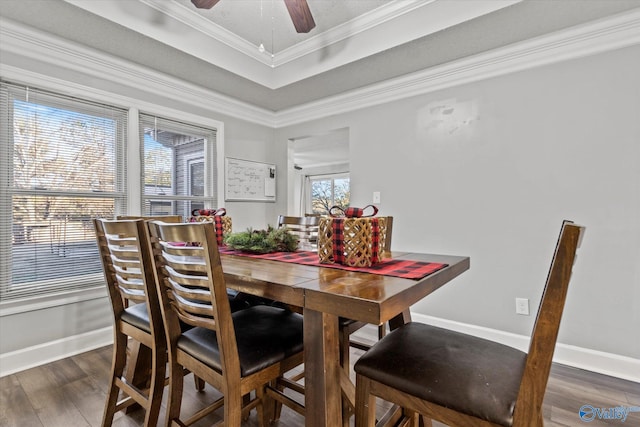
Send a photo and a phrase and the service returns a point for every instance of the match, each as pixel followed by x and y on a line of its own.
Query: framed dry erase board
pixel 246 180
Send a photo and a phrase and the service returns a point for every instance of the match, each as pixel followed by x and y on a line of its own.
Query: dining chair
pixel 305 227
pixel 462 380
pixel 163 218
pixel 234 352
pixel 139 353
pixel 131 286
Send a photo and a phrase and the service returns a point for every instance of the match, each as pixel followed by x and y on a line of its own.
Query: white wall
pixel 523 152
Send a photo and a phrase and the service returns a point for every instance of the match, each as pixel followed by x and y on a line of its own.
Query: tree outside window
pixel 328 192
pixel 62 168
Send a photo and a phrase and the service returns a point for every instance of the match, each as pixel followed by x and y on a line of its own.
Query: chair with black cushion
pixel 234 352
pixel 136 310
pixel 305 227
pixel 462 380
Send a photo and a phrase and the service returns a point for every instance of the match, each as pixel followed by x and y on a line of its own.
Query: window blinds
pixel 62 164
pixel 178 166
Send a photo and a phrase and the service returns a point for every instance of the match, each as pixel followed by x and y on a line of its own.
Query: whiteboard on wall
pixel 246 180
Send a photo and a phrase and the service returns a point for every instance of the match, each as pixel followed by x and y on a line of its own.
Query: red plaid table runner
pixel 406 269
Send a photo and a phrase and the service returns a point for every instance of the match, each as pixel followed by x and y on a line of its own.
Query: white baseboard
pixel 19 360
pixel 626 368
pixel 614 365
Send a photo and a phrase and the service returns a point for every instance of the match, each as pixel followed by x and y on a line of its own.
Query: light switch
pixel 376 197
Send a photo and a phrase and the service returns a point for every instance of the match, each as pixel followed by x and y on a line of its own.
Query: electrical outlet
pixel 376 197
pixel 522 306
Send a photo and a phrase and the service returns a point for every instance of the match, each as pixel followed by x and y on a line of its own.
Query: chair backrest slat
pixel 127 266
pixel 305 227
pixel 191 283
pixel 163 218
pixel 547 324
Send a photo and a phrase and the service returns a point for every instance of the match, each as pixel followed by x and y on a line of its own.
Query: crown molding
pixel 396 23
pixel 349 29
pixel 619 31
pixel 611 33
pixel 39 46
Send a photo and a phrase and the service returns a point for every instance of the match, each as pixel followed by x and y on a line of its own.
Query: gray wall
pixel 560 141
pixel 520 153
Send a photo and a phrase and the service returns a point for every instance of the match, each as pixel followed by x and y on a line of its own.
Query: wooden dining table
pixel 324 294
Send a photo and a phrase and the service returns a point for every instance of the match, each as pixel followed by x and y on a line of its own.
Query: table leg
pixel 323 398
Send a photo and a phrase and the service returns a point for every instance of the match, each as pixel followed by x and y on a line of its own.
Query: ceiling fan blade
pixel 204 4
pixel 300 15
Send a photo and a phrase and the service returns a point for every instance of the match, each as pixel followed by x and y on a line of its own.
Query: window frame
pixel 325 177
pixel 46 286
pixel 190 161
pixel 182 161
pixel 133 192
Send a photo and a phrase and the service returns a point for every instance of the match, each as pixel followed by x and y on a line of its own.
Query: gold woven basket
pixel 358 242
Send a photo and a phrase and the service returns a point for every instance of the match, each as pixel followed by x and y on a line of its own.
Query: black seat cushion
pixel 137 316
pixel 265 335
pixel 458 371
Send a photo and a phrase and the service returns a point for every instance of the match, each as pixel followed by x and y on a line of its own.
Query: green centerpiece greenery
pixel 263 241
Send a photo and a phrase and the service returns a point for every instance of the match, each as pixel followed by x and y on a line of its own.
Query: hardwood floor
pixel 71 392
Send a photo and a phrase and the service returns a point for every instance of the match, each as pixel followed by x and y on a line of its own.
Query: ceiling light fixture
pixel 261 47
pixel 272 30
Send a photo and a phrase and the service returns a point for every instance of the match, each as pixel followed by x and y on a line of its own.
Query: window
pixel 174 157
pixel 61 164
pixel 328 191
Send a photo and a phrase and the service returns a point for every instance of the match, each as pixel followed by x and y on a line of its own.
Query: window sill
pixel 53 300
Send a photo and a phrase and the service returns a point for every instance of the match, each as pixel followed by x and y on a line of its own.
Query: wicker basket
pixel 360 246
pixel 223 225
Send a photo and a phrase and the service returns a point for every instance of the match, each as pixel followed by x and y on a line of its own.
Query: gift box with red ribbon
pixel 356 242
pixel 222 222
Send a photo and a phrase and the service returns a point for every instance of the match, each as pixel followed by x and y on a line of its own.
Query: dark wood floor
pixel 71 392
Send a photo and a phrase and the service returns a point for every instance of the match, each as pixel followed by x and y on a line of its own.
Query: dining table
pixel 325 293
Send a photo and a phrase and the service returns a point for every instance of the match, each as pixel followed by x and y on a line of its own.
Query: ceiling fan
pixel 298 10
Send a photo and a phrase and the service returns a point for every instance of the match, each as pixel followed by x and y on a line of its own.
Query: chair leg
pixel 156 387
pixel 176 385
pixel 344 364
pixel 277 406
pixel 199 383
pixel 382 331
pixel 365 403
pixel 117 368
pixel 246 399
pixel 265 408
pixel 412 418
pixel 233 408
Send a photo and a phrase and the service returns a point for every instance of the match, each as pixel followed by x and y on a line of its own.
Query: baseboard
pixel 614 365
pixel 626 368
pixel 19 360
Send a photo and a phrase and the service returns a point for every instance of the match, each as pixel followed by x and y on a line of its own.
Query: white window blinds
pixel 61 164
pixel 178 166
